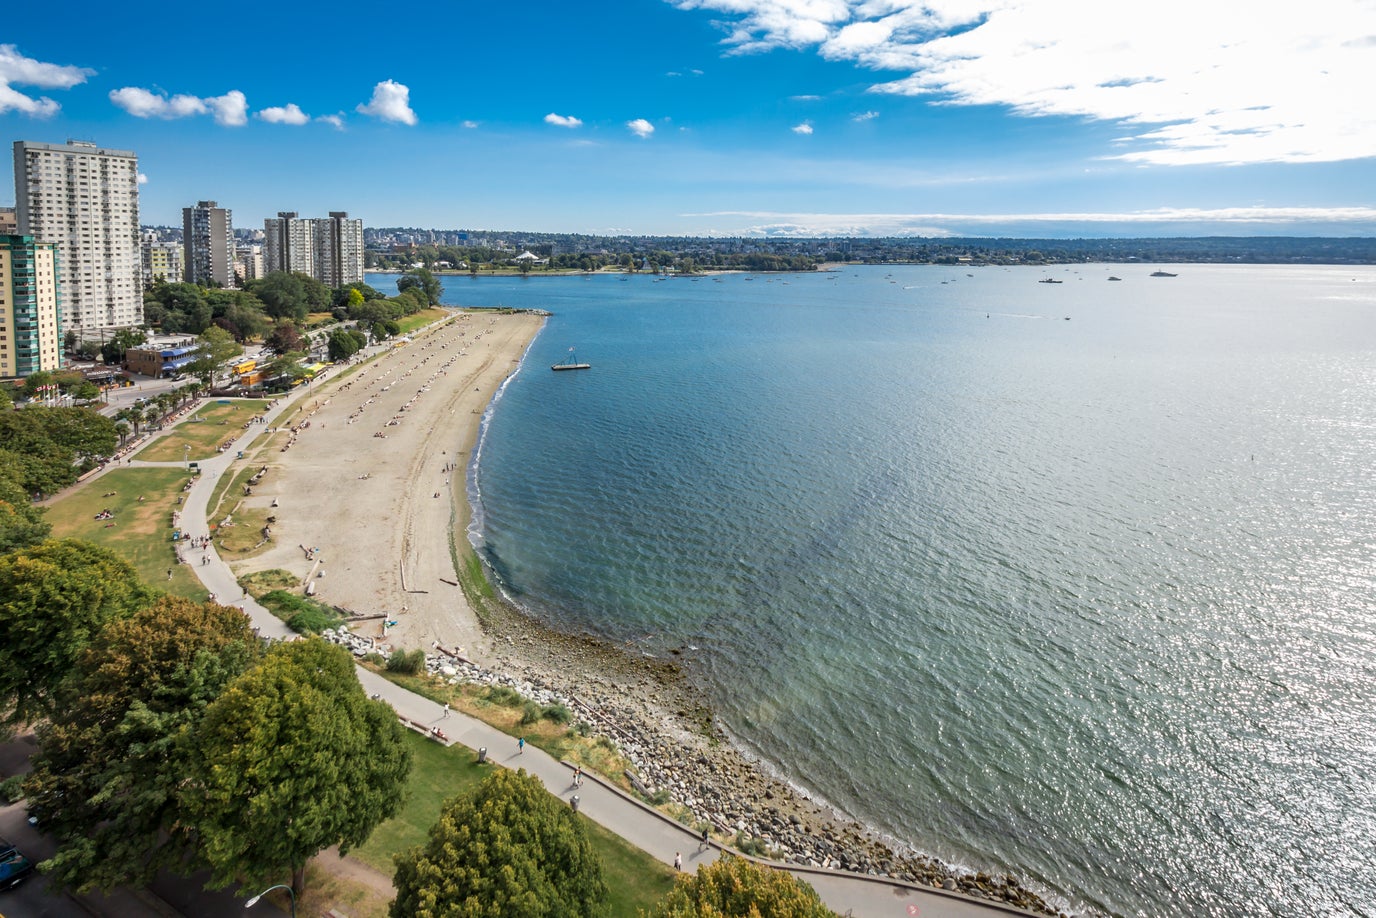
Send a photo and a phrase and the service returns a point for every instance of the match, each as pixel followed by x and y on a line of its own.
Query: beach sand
pixel 371 493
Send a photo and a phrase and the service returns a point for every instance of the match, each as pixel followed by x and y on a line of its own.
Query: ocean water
pixel 1075 580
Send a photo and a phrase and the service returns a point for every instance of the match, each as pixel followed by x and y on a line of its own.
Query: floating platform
pixel 572 366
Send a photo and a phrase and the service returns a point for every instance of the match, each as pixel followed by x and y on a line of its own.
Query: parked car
pixel 15 868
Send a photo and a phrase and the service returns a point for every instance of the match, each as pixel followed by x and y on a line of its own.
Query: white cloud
pixel 284 114
pixel 230 110
pixel 334 121
pixel 1191 82
pixel 945 224
pixel 142 178
pixel 804 128
pixel 640 127
pixel 567 121
pixel 864 116
pixel 16 68
pixel 391 101
pixel 806 98
pixel 468 124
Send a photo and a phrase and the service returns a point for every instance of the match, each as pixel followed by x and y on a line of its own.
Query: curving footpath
pixel 646 828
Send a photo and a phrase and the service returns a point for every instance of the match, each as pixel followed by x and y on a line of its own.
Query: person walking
pixel 521 746
pixel 678 861
pixel 702 845
pixel 446 711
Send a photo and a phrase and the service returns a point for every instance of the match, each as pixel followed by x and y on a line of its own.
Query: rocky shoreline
pixel 647 707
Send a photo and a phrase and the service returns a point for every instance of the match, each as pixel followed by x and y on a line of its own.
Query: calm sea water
pixel 1090 600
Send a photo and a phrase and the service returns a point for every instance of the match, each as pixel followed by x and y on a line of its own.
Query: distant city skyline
pixel 1031 118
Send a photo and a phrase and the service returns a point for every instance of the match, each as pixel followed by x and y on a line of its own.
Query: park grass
pixel 419 319
pixel 635 879
pixel 204 431
pixel 142 533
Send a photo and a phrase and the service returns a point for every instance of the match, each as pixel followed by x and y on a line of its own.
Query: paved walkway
pixel 642 826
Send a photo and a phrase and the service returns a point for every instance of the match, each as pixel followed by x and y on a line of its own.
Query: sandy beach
pixel 367 494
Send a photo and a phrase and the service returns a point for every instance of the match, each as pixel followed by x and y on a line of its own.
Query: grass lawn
pixel 205 430
pixel 142 530
pixel 424 317
pixel 635 879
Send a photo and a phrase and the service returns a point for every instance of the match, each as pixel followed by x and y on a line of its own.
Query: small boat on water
pixel 1111 277
pixel 571 363
pixel 1162 274
pixel 1049 280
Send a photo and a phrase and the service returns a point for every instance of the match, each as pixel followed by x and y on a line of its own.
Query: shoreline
pixel 357 495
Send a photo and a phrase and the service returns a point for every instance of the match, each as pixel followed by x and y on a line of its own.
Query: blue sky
pixel 728 117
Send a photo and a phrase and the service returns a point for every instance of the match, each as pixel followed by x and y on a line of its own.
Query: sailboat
pixel 571 363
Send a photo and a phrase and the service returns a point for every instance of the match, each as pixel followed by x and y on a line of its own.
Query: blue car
pixel 15 868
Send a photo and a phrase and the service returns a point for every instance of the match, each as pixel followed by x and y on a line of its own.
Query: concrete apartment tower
pixel 30 328
pixel 329 249
pixel 86 200
pixel 208 244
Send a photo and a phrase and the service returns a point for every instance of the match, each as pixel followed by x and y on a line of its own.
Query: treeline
pixel 684 261
pixel 250 313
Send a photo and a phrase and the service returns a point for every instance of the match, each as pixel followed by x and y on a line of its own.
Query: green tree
pixel 213 348
pixel 344 343
pixel 291 759
pixel 283 295
pixel 422 280
pixel 105 781
pixel 21 523
pixel 113 350
pixel 54 598
pixel 733 887
pixel 506 848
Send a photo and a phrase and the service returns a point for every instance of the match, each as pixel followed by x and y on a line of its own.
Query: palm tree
pixel 122 428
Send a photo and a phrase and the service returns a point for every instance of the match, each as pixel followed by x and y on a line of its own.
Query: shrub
pixel 556 713
pixel 302 614
pixel 530 713
pixel 501 694
pixel 409 662
pixel 12 789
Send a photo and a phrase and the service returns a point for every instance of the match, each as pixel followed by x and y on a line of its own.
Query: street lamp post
pixel 254 901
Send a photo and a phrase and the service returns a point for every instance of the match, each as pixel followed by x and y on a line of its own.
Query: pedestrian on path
pixel 678 861
pixel 521 746
pixel 702 845
pixel 578 776
pixel 446 710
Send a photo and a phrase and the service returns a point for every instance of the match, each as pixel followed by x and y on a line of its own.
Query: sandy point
pixel 369 494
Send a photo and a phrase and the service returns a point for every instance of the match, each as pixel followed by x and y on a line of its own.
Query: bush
pixel 530 713
pixel 556 713
pixel 12 789
pixel 752 845
pixel 375 658
pixel 501 694
pixel 302 614
pixel 409 662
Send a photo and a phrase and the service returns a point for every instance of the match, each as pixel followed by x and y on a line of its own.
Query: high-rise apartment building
pixel 208 244
pixel 248 262
pixel 86 200
pixel 163 261
pixel 30 327
pixel 328 249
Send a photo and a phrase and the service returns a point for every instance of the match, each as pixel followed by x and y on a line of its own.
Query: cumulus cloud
pixel 567 121
pixel 640 127
pixel 229 110
pixel 334 121
pixel 391 101
pixel 864 116
pixel 284 114
pixel 16 68
pixel 770 223
pixel 804 128
pixel 1190 83
pixel 468 124
pixel 142 178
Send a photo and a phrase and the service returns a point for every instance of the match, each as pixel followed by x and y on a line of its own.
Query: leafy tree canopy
pixel 116 750
pixel 506 848
pixel 736 888
pixel 213 348
pixel 54 598
pixel 343 343
pixel 40 447
pixel 21 523
pixel 421 279
pixel 291 759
